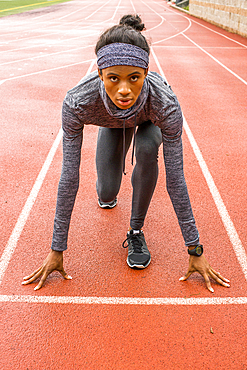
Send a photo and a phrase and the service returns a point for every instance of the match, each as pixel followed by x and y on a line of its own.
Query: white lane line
pixel 216 60
pixel 89 16
pixel 48 55
pixel 218 33
pixel 227 222
pixel 46 24
pixel 159 15
pixel 11 245
pixel 171 37
pixel 45 71
pixel 114 14
pixel 133 7
pixel 22 219
pixel 124 300
pixel 195 47
pixel 76 11
pixel 163 19
pixel 61 43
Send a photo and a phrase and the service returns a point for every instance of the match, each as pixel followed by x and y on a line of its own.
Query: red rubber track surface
pixel 153 321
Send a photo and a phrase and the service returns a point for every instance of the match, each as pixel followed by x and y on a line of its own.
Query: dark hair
pixel 128 31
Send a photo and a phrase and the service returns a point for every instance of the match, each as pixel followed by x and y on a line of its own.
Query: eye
pixel 113 79
pixel 134 78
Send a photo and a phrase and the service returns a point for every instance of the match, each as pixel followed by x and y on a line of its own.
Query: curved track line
pixel 22 219
pixel 153 10
pixel 224 215
pixel 158 25
pixel 124 300
pixel 218 33
pixel 193 21
pixel 216 60
pixel 163 19
pixel 171 37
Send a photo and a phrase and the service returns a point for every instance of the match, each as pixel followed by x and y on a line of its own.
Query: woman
pixel 127 102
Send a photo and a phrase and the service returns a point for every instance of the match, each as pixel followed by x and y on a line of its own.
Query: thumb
pixel 64 274
pixel 185 277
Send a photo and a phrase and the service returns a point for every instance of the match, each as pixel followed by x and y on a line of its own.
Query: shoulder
pixel 161 96
pixel 164 108
pixel 156 77
pixel 159 87
pixel 85 92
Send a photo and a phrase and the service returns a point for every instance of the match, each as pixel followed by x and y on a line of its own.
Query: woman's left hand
pixel 201 265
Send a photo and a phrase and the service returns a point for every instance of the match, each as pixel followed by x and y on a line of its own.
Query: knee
pixel 105 192
pixel 147 152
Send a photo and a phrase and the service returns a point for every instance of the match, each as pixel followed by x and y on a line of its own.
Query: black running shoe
pixel 138 253
pixel 107 205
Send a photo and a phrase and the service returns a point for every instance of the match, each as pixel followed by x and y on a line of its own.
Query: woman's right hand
pixel 53 262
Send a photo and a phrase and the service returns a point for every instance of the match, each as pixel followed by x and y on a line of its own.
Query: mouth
pixel 124 102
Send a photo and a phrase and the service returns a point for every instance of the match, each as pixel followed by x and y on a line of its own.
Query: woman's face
pixel 123 84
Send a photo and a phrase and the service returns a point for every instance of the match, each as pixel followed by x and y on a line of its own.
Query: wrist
pixel 196 250
pixel 190 247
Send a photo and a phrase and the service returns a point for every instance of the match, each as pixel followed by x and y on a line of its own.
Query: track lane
pixel 216 123
pixel 110 335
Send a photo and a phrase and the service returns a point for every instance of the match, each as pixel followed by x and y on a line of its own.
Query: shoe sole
pixel 107 206
pixel 138 267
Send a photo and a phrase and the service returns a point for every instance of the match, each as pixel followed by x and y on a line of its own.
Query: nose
pixel 124 88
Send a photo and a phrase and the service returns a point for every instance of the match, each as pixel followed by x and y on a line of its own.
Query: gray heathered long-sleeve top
pixel 83 105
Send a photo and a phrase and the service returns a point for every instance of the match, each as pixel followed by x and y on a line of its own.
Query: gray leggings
pixel 109 164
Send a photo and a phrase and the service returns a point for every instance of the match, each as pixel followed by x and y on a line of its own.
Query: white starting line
pixel 124 300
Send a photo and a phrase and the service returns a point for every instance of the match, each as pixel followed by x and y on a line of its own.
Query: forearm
pixel 67 188
pixel 177 190
pixel 66 195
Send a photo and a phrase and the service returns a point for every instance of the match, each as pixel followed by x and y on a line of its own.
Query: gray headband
pixel 120 54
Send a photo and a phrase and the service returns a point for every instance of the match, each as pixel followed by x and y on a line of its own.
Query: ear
pixel 100 74
pixel 146 72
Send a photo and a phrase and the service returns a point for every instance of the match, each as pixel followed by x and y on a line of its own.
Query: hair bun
pixel 133 21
